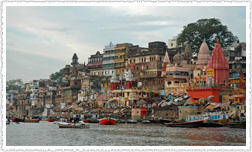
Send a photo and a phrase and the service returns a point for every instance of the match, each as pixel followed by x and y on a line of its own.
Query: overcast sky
pixel 42 40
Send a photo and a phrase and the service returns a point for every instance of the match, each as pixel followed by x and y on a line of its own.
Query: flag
pixel 12 108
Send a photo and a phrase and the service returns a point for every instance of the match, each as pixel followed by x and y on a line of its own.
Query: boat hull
pixel 163 121
pixel 107 121
pixel 211 125
pixel 191 124
pixel 16 119
pixel 72 125
pixel 132 121
pixel 50 120
pixel 32 121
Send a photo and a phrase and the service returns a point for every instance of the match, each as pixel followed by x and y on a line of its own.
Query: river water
pixel 49 134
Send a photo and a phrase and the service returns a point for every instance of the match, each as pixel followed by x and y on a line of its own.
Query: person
pixel 167 116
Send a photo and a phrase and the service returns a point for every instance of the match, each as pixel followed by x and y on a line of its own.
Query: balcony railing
pixel 119 60
pixel 119 53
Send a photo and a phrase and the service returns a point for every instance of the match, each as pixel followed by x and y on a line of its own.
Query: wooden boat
pixel 162 121
pixel 154 121
pixel 44 119
pixel 73 125
pixel 50 120
pixel 131 121
pixel 107 121
pixel 85 121
pixel 145 121
pixel 31 120
pixel 190 124
pixel 16 119
pixel 211 124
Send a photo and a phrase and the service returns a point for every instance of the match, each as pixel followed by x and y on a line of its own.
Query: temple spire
pixel 166 58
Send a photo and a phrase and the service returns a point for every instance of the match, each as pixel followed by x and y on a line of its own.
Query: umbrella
pixel 163 104
pixel 210 106
pixel 210 97
pixel 154 104
pixel 186 96
pixel 180 98
pixel 217 106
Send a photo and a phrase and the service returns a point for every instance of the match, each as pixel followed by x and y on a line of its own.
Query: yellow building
pixel 120 54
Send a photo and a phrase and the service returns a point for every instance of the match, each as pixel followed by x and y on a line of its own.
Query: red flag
pixel 12 108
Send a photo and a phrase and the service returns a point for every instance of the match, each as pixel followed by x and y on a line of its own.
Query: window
pixel 169 82
pixel 176 82
pixel 171 44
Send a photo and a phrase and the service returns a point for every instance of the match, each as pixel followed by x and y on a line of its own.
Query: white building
pixel 172 43
pixel 108 60
pixel 34 88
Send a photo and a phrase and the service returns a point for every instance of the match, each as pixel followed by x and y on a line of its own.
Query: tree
pixel 14 84
pixel 56 75
pixel 210 29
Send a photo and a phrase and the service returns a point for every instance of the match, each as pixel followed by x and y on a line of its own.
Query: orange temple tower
pixel 219 65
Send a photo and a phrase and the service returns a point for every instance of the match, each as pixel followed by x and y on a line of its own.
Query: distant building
pixel 236 62
pixel 34 88
pixel 120 54
pixel 95 64
pixel 146 64
pixel 108 60
pixel 172 43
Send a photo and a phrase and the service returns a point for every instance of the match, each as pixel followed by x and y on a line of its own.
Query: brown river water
pixel 49 134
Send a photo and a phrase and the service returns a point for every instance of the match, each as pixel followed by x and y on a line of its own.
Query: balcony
pixel 119 54
pixel 119 60
pixel 150 74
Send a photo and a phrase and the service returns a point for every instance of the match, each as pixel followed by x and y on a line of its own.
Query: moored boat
pixel 86 121
pixel 31 120
pixel 7 122
pixel 162 121
pixel 107 121
pixel 145 121
pixel 50 120
pixel 131 121
pixel 73 125
pixel 16 119
pixel 211 124
pixel 191 124
pixel 44 119
pixel 154 121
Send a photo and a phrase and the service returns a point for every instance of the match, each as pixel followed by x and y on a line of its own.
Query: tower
pixel 219 65
pixel 188 52
pixel 166 61
pixel 74 60
pixel 203 56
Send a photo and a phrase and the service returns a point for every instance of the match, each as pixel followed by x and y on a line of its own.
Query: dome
pixel 129 75
pixel 114 79
pixel 177 58
pixel 203 56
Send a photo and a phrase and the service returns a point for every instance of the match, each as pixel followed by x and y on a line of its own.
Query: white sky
pixel 42 40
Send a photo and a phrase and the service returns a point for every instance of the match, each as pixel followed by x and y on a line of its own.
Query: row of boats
pixel 165 122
